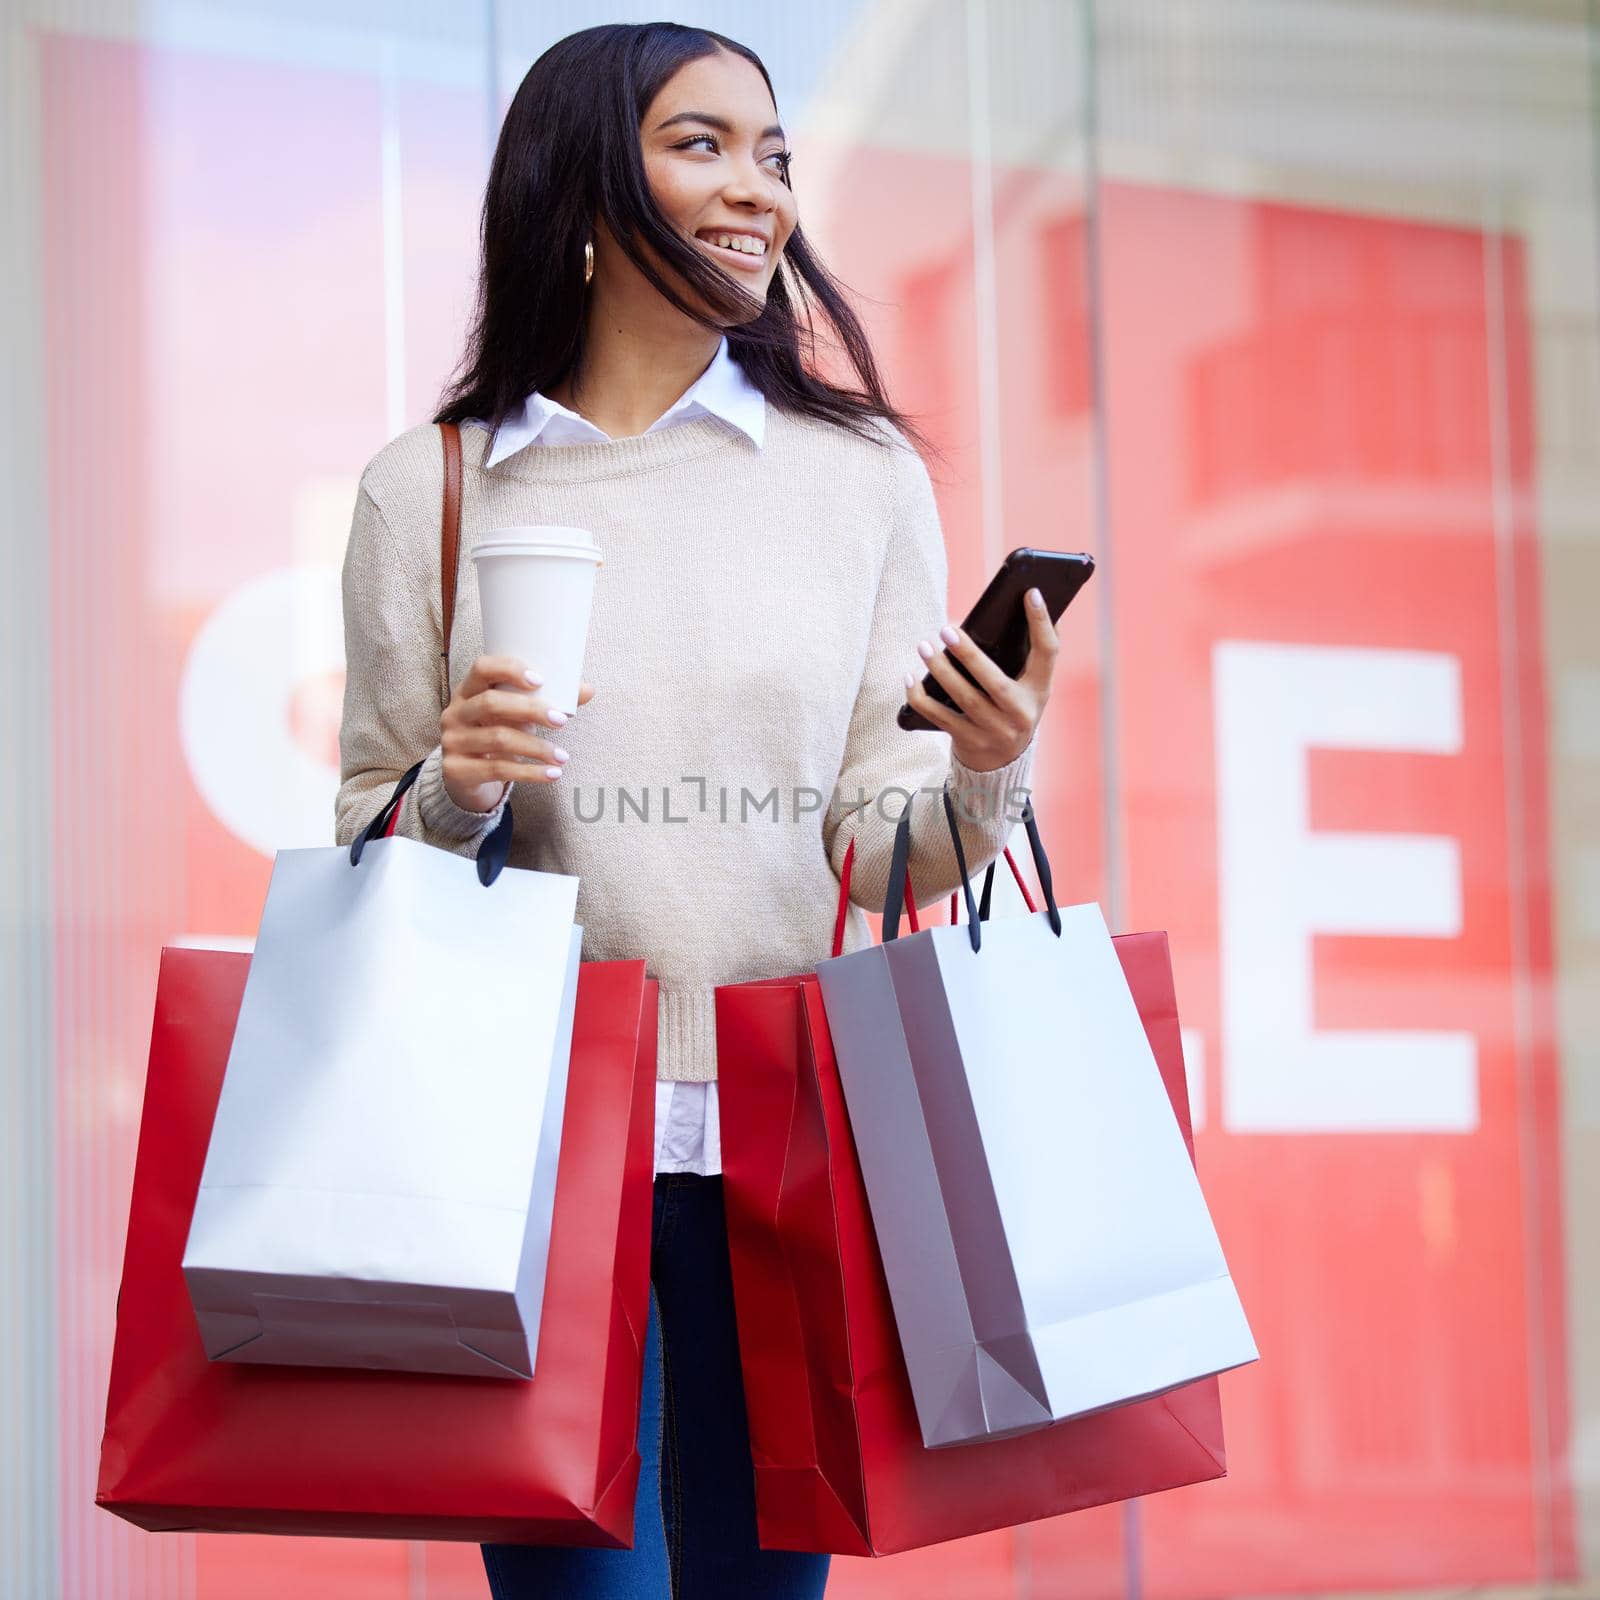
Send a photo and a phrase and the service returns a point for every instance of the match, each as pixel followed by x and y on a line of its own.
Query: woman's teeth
pixel 742 242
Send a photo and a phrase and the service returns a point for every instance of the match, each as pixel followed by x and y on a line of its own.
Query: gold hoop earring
pixel 588 259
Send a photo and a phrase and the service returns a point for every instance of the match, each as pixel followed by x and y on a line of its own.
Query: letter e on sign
pixel 1280 884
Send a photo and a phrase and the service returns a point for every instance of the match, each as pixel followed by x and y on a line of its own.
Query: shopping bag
pixel 380 1179
pixel 1047 1245
pixel 840 1463
pixel 234 1447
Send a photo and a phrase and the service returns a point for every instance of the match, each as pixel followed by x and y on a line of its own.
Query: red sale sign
pixel 1326 645
pixel 1303 731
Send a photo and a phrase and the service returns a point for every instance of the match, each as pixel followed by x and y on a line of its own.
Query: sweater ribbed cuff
pixel 440 814
pixel 987 796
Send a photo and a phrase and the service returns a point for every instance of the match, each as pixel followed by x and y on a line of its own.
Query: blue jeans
pixel 694 1518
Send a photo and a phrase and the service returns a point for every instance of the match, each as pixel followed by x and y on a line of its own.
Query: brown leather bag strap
pixel 449 543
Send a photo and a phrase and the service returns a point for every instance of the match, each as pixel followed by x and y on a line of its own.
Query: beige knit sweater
pixel 753 622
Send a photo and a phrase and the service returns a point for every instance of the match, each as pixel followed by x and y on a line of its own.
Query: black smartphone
pixel 998 622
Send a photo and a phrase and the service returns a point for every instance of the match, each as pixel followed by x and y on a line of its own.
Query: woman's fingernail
pixel 558 717
pixel 552 772
pixel 533 678
pixel 558 753
pixel 949 635
pixel 925 650
pixel 1036 600
pixel 909 680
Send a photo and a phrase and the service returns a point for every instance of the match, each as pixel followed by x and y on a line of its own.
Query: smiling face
pixel 716 160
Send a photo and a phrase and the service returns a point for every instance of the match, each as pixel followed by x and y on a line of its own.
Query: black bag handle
pixel 492 853
pixel 1040 866
pixel 976 915
pixel 894 896
pixel 983 899
pixel 899 866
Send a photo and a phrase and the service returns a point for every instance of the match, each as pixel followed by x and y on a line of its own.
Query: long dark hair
pixel 569 149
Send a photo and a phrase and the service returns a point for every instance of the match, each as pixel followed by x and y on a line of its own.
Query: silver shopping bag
pixel 1047 1247
pixel 380 1179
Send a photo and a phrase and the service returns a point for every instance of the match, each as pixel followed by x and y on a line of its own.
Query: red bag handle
pixel 844 902
pixel 988 882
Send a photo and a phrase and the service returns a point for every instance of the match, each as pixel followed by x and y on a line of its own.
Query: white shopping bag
pixel 380 1180
pixel 1047 1247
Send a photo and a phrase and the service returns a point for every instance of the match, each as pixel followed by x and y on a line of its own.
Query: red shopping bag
pixel 840 1463
pixel 197 1444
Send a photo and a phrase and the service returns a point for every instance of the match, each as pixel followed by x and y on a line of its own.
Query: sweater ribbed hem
pixel 686 1033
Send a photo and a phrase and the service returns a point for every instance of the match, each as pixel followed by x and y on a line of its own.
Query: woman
pixel 641 365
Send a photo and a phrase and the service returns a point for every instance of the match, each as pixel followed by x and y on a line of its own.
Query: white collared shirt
pixel 688 1124
pixel 722 391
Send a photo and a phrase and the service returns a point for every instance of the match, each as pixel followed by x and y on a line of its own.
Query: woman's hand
pixel 489 733
pixel 996 721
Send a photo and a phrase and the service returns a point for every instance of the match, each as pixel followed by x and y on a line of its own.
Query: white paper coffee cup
pixel 535 589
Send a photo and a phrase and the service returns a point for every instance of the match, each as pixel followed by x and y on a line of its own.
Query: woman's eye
pixel 782 157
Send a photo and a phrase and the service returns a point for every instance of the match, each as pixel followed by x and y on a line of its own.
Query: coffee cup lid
pixel 537 533
pixel 539 540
